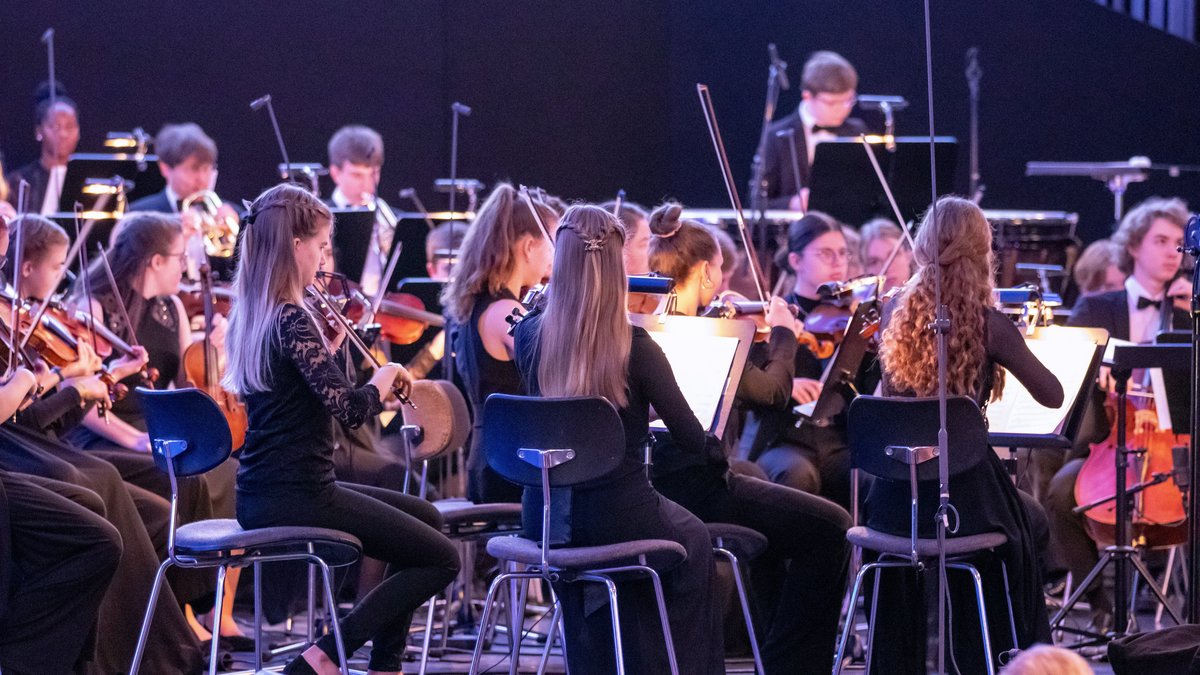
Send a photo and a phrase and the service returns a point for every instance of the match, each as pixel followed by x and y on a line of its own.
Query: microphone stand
pixel 257 103
pixel 776 82
pixel 456 109
pixel 974 75
pixel 1191 246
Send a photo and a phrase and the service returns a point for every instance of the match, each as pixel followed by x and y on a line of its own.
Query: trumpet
pixel 220 231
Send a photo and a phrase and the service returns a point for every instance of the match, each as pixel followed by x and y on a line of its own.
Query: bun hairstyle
pixel 41 101
pixel 677 244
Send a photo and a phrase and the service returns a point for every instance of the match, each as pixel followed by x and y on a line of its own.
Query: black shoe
pixel 299 666
pixel 237 643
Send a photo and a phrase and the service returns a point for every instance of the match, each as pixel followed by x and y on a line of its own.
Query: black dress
pixel 287 478
pixel 800 578
pixel 625 507
pixel 986 501
pixel 483 375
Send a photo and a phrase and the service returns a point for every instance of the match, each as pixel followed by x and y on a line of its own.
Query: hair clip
pixel 593 244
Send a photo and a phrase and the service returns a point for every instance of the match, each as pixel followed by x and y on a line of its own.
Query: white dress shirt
pixel 812 138
pixel 1143 323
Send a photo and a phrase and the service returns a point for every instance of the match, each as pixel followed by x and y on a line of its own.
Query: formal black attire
pixel 56 559
pixel 483 375
pixel 287 478
pixel 159 202
pixel 799 580
pixel 778 178
pixel 1072 549
pixel 625 507
pixel 38 178
pixel 986 501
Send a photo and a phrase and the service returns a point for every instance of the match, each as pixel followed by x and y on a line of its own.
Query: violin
pixel 203 369
pixel 733 305
pixel 402 317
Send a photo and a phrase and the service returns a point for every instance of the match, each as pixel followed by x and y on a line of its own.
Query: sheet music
pixel 1069 358
pixel 701 364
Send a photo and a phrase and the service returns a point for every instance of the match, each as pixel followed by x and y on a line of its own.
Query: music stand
pixel 352 233
pixel 844 184
pixel 687 335
pixel 140 172
pixel 100 234
pixel 1125 359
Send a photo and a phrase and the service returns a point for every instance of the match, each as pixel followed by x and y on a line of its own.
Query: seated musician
pixel 981 342
pixel 801 576
pixel 879 239
pixel 810 458
pixel 441 259
pixel 1146 245
pixel 504 253
pixel 829 83
pixel 623 364
pixel 1098 269
pixel 56 127
pixel 355 162
pixel 288 372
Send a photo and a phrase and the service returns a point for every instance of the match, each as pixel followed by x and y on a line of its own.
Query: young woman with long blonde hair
pixel 294 384
pixel 981 345
pixel 504 252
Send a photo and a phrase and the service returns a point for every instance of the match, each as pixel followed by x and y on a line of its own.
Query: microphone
pixel 1191 236
pixel 48 36
pixel 257 104
pixel 461 109
pixel 780 67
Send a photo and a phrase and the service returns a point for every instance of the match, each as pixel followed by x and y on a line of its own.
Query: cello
pixel 202 368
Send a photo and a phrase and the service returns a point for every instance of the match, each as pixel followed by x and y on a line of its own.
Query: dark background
pixel 584 98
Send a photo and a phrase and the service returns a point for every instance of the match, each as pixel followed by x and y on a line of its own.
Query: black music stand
pixel 100 234
pixel 845 186
pixel 140 172
pixel 697 329
pixel 1125 359
pixel 352 232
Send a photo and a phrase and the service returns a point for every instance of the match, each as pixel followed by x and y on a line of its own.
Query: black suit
pixel 38 177
pixel 778 177
pixel 158 202
pixel 1071 547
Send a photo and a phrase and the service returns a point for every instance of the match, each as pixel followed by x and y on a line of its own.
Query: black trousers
pixel 799 581
pixel 142 519
pixel 812 459
pixel 1071 547
pixel 63 556
pixel 401 530
pixel 624 510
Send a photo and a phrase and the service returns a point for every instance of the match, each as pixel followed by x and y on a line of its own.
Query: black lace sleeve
pixel 303 346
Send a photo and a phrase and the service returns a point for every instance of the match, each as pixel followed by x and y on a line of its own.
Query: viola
pixel 203 369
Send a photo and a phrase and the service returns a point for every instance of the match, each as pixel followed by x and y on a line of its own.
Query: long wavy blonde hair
pixel 585 331
pixel 964 251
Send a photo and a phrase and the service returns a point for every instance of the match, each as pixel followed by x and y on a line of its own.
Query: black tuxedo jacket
pixel 157 202
pixel 1110 311
pixel 778 177
pixel 38 177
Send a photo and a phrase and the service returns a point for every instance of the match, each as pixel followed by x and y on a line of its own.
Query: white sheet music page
pixel 1069 358
pixel 701 364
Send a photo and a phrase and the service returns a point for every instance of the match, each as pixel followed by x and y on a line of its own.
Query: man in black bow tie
pixel 1147 243
pixel 830 86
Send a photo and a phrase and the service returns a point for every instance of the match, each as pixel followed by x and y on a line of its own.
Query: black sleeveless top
pixel 482 374
pixel 158 332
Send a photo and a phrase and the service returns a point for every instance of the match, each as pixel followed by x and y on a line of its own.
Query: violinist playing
pixel 504 253
pixel 1147 243
pixel 801 576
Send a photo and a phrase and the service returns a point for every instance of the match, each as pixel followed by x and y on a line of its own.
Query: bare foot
pixel 201 632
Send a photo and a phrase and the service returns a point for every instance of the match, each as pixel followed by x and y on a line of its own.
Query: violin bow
pixel 22 208
pixel 112 282
pixel 618 203
pixel 887 190
pixel 714 132
pixel 537 217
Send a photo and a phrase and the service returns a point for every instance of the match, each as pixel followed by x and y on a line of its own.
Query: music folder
pixel 844 184
pixel 707 357
pixel 1074 355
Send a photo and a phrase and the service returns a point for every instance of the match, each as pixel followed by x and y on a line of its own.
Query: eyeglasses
pixel 836 102
pixel 182 256
pixel 830 255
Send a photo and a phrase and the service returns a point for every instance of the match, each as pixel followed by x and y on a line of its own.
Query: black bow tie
pixel 1143 303
pixel 818 127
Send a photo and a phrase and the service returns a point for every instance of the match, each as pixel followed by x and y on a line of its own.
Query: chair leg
pixel 871 623
pixel 1012 621
pixel 483 621
pixel 740 584
pixel 662 617
pixel 216 627
pixel 848 625
pixel 150 607
pixel 983 622
pixel 343 657
pixel 614 611
pixel 310 632
pixel 258 617
pixel 432 605
pixel 516 622
pixel 555 618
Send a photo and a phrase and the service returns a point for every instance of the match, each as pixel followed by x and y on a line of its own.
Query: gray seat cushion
pixel 874 540
pixel 224 534
pixel 661 555
pixel 743 542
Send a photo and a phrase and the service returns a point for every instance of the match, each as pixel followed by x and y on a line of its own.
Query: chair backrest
pixel 589 427
pixel 188 433
pixel 878 428
pixel 442 416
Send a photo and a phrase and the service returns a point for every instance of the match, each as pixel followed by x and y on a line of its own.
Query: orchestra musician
pixel 1146 243
pixel 829 86
pixel 800 578
pixel 623 364
pixel 355 163
pixel 1098 269
pixel 879 237
pixel 981 343
pixel 503 253
pixel 56 127
pixel 288 372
